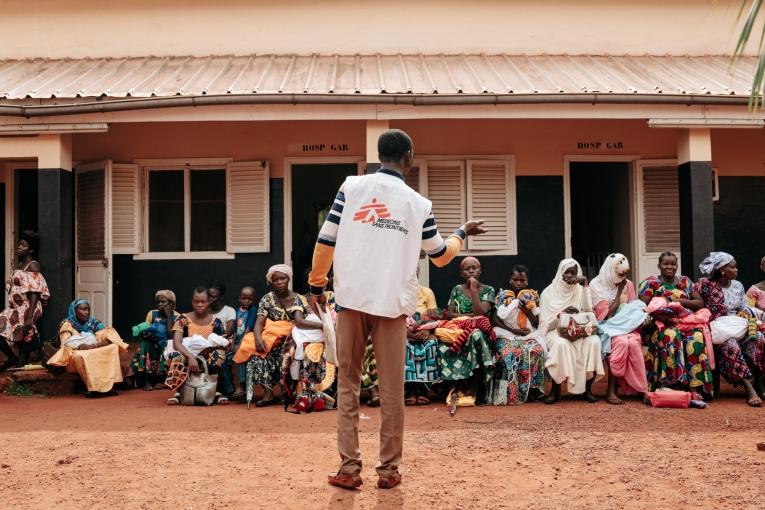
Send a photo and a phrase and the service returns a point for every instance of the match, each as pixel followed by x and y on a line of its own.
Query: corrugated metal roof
pixel 373 75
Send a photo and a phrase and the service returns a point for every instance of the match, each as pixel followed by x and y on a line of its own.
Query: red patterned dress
pixel 19 286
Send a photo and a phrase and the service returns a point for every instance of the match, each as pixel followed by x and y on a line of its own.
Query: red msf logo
pixel 371 212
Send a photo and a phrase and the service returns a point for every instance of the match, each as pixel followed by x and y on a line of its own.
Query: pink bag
pixel 670 399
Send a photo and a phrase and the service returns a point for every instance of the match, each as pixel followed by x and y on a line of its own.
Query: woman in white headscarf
pixel 610 290
pixel 576 362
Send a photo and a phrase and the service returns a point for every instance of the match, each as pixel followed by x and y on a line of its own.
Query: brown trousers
pixel 389 341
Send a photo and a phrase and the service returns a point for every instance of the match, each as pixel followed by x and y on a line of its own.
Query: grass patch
pixel 17 389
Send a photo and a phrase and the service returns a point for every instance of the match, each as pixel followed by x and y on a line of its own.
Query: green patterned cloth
pixel 476 353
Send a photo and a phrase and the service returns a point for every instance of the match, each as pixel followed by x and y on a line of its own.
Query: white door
pixel 656 213
pixel 93 257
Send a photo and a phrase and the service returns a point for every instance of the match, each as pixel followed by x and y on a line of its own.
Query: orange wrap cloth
pixel 274 333
pixel 98 368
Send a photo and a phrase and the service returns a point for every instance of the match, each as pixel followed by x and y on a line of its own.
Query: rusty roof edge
pixel 147 103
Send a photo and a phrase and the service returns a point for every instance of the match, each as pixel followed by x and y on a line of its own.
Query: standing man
pixel 374 234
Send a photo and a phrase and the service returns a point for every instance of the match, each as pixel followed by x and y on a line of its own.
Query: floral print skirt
pixel 675 358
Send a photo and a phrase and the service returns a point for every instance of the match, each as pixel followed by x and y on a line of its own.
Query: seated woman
pixel 577 362
pixel 278 312
pixel 421 369
pixel 743 358
pixel 677 357
pixel 756 292
pixel 27 293
pixel 147 369
pixel 520 370
pixel 198 334
pixel 624 349
pixel 91 349
pixel 470 353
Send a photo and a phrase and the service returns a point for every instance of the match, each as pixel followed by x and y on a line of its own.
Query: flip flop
pixel 422 400
pixel 410 401
pixel 615 401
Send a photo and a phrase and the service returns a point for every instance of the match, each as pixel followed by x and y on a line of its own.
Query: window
pixel 481 188
pixel 202 208
pixel 187 209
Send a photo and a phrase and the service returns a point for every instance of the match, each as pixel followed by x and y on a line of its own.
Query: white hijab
pixel 559 295
pixel 603 286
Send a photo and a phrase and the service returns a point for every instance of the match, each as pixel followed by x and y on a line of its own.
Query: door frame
pixel 638 239
pixel 599 158
pixel 106 165
pixel 11 211
pixel 287 191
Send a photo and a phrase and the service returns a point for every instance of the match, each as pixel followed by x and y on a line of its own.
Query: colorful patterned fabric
pixel 188 327
pixel 18 287
pixel 421 362
pixel 738 359
pixel 674 357
pixel 264 371
pixel 213 357
pixel 476 353
pixel 149 358
pixel 464 304
pixel 714 297
pixel 756 297
pixel 271 308
pixel 520 369
pixel 369 377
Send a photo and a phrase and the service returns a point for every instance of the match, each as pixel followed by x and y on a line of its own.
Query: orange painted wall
pixel 739 151
pixel 271 141
pixel 538 145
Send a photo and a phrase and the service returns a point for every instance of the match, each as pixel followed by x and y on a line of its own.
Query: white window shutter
pixel 126 209
pixel 247 195
pixel 491 197
pixel 445 189
pixel 661 209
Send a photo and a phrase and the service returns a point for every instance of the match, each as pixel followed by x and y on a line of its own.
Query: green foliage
pixel 17 389
pixel 750 10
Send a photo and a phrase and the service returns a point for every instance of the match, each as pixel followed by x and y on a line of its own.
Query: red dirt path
pixel 132 451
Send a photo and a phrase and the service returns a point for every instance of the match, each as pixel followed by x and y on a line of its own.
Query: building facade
pixel 148 158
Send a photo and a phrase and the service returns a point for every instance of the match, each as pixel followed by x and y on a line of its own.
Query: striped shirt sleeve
pixel 439 251
pixel 324 250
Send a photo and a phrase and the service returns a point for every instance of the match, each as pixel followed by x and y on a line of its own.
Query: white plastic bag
pixel 330 343
pixel 726 327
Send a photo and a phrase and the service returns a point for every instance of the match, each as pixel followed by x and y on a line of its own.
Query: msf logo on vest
pixel 377 215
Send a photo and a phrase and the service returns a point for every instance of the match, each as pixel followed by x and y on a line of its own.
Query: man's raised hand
pixel 473 228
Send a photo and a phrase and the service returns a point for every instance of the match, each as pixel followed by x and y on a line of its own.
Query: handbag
pixel 200 388
pixel 574 326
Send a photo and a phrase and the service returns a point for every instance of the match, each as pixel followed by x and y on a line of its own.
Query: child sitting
pixel 233 373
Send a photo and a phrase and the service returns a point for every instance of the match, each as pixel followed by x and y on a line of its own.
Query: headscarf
pixel 167 294
pixel 603 286
pixel 278 268
pixel 92 323
pixel 715 261
pixel 559 295
pixel 469 259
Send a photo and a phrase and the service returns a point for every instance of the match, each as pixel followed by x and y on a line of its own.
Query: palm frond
pixel 752 9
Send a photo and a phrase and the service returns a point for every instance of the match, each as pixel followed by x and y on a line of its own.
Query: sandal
pixel 236 396
pixel 174 400
pixel 221 400
pixel 148 387
pixel 614 401
pixel 422 400
pixel 410 401
pixel 388 482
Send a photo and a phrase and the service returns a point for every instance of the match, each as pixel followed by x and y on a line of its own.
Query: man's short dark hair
pixel 392 145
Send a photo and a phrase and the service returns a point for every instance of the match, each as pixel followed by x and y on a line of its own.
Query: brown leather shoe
pixel 345 480
pixel 388 482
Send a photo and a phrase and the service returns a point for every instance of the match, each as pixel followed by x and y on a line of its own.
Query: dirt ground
pixel 132 451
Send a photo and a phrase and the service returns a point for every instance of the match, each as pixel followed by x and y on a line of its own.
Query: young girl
pixel 233 373
pixel 198 322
